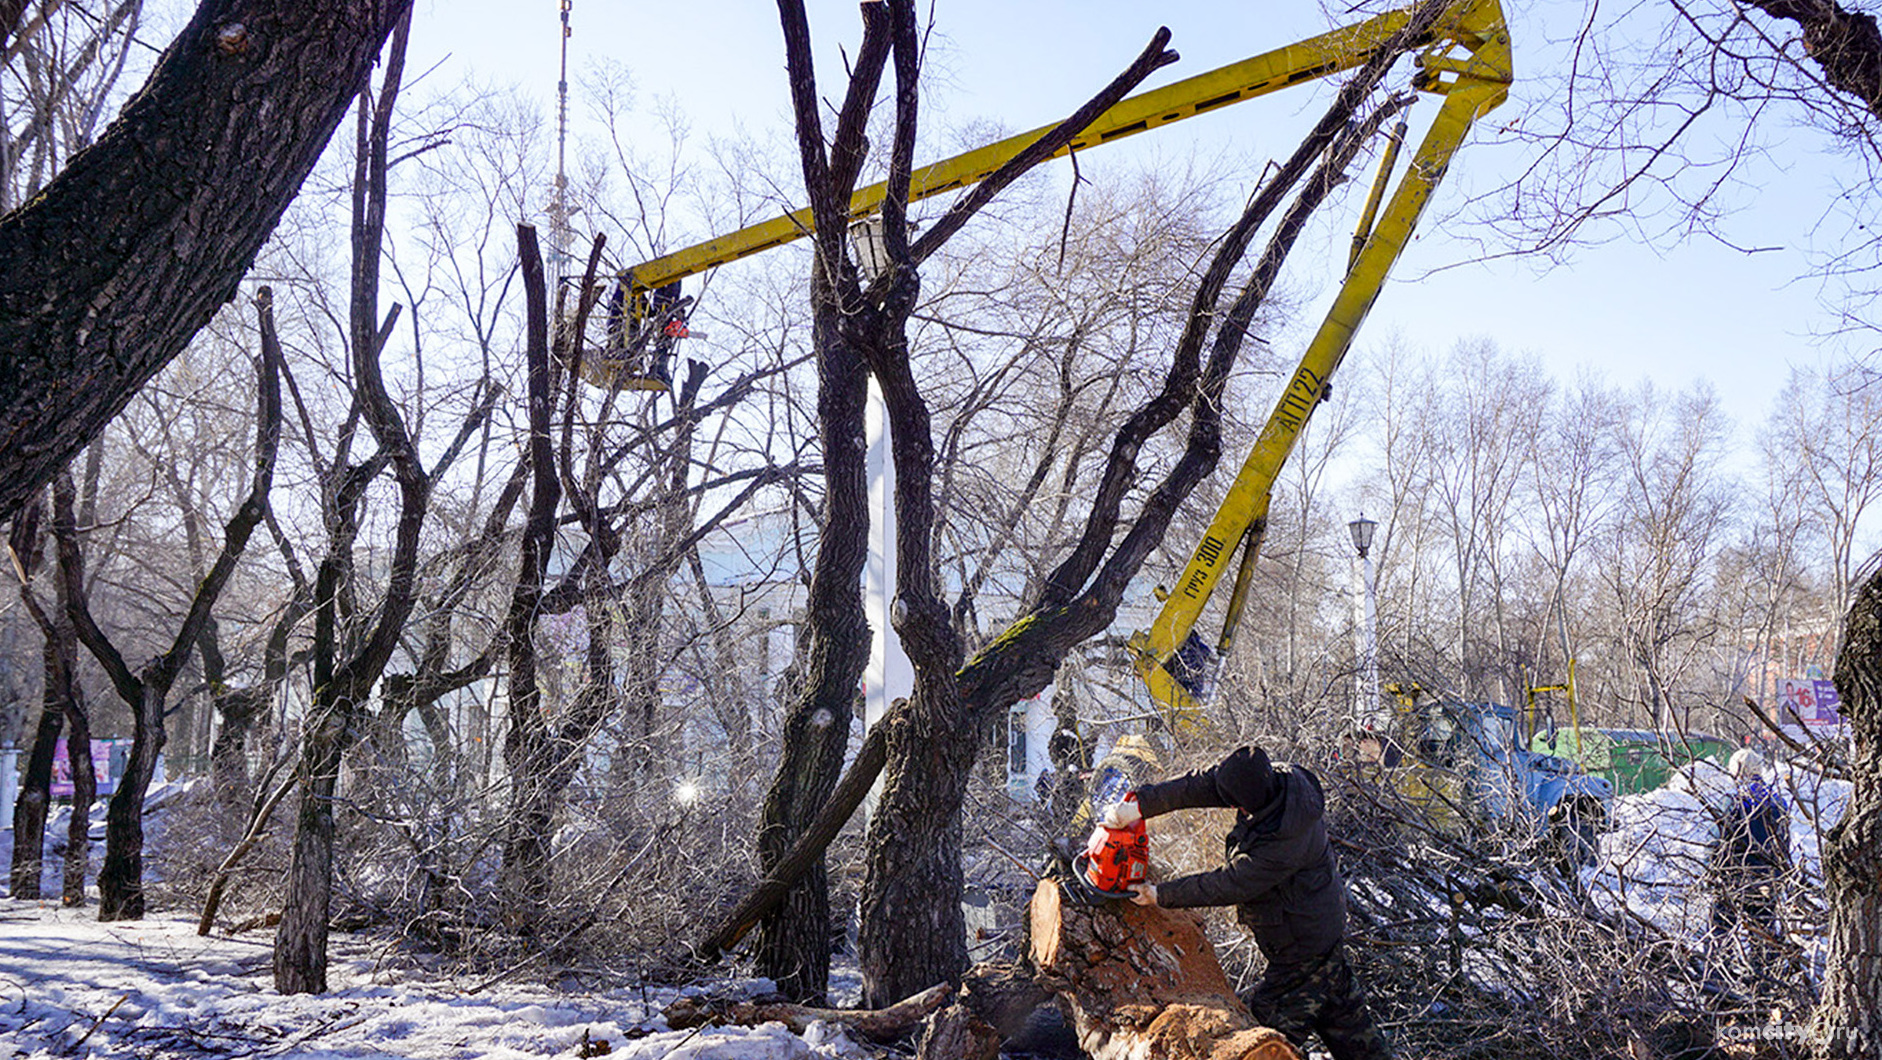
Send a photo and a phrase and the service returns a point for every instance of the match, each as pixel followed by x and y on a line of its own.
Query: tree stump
pixel 1142 983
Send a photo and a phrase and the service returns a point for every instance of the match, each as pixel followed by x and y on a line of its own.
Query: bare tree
pixel 62 703
pixel 1573 460
pixel 349 663
pixel 146 689
pixel 60 655
pixel 833 645
pixel 1481 421
pixel 1657 559
pixel 1830 426
pixel 910 932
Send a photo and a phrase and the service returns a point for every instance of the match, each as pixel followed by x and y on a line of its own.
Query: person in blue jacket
pixel 1752 855
pixel 1280 875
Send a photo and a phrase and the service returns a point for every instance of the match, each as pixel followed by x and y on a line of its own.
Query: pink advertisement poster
pixel 100 763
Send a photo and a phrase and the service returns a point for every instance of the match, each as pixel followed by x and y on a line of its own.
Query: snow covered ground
pixel 72 987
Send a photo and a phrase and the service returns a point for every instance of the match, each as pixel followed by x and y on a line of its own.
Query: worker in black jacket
pixel 1281 877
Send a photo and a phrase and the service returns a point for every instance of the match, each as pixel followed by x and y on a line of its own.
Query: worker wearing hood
pixel 1279 873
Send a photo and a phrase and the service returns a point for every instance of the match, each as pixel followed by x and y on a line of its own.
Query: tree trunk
pixel 1142 983
pixel 793 945
pixel 526 745
pixel 105 279
pixel 300 946
pixel 882 1025
pixel 84 793
pixel 35 797
pixel 121 877
pixel 833 648
pixel 300 953
pixel 228 754
pixel 1848 1022
pixel 913 934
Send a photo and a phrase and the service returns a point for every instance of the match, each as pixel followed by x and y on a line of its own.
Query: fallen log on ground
pixel 1142 983
pixel 884 1024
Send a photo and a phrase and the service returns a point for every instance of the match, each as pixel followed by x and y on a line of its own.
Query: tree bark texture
pixel 525 851
pixel 1142 983
pixel 912 929
pixel 912 935
pixel 61 675
pixel 1848 1021
pixel 793 945
pixel 134 246
pixel 58 667
pixel 343 687
pixel 34 799
pixel 1844 44
pixel 121 876
pixel 84 793
pixel 545 751
pixel 300 944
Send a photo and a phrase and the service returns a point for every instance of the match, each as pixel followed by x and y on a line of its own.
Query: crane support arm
pixel 1471 83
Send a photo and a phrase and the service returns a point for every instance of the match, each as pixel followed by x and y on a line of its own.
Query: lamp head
pixel 1362 529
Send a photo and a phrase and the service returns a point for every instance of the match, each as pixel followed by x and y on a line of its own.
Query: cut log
pixel 1142 983
pixel 991 1008
pixel 878 1024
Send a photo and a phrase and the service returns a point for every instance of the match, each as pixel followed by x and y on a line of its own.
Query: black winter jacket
pixel 1279 871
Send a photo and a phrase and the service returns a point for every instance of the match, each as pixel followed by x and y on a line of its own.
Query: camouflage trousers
pixel 1322 996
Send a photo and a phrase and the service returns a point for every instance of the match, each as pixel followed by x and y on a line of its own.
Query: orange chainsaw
pixel 1114 860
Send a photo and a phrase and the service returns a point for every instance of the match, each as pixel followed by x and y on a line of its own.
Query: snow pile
pixel 1652 863
pixel 70 986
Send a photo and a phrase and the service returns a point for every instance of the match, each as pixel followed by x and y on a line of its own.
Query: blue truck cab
pixel 1468 761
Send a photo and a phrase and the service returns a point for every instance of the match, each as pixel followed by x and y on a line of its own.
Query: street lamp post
pixel 1365 712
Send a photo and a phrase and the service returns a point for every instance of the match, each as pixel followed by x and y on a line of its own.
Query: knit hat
pixel 1746 763
pixel 1245 780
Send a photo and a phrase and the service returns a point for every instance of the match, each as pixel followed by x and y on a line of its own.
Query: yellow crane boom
pixel 1308 60
pixel 1468 63
pixel 1465 58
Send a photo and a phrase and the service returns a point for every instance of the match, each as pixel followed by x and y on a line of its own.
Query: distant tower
pixel 559 237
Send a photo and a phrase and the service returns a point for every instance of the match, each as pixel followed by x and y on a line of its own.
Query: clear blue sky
pixel 1700 312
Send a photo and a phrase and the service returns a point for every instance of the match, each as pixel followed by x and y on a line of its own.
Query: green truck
pixel 1632 760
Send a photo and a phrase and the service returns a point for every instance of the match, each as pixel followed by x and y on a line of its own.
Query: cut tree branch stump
pixel 880 1025
pixel 992 1007
pixel 1142 983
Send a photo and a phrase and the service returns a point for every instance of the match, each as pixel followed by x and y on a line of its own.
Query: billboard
pixel 107 763
pixel 1810 701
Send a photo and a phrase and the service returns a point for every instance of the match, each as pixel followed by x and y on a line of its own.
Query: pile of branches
pixel 1477 941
